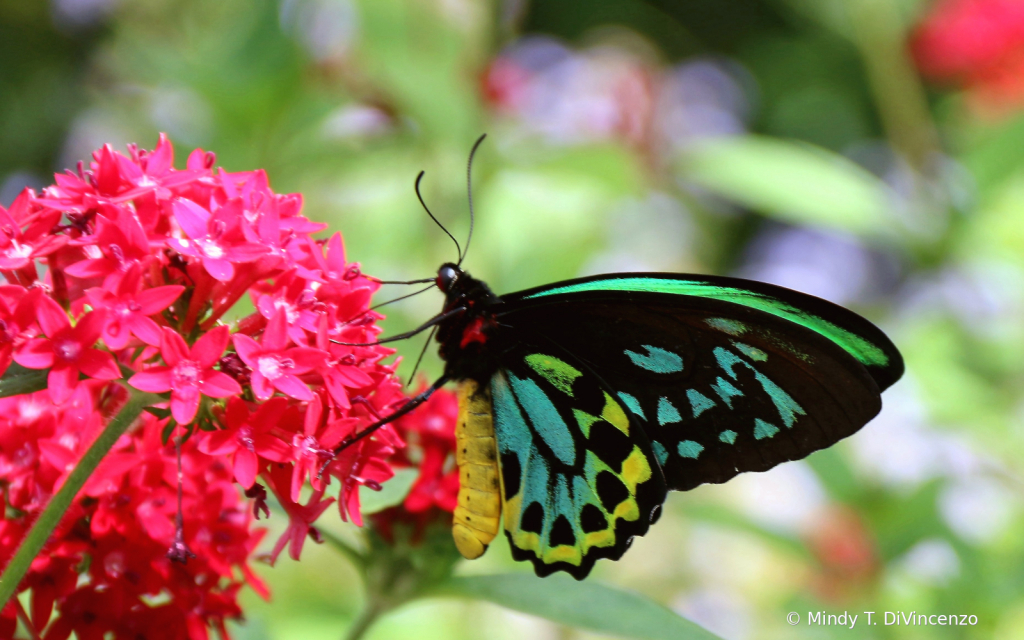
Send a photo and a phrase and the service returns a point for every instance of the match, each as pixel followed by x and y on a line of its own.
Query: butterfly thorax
pixel 470 340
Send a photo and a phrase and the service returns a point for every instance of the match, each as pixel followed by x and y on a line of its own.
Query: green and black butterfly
pixel 583 402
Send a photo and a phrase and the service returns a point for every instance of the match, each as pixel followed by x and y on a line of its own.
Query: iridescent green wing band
pixel 864 350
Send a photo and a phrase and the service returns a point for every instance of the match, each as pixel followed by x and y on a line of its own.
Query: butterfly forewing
pixel 719 387
pixel 579 476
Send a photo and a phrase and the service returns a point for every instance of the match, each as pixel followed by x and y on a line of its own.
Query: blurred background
pixel 870 152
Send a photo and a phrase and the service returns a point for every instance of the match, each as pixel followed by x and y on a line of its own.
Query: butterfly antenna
pixel 427 209
pixel 369 430
pixel 469 191
pixel 420 359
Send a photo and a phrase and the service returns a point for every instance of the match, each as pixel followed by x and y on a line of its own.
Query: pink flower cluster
pixel 108 561
pixel 977 45
pixel 119 276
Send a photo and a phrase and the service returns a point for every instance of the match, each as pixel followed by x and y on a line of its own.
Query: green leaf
pixel 588 605
pixel 18 380
pixel 793 182
pixel 392 492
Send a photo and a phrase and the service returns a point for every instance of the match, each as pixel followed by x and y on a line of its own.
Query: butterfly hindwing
pixel 719 387
pixel 578 474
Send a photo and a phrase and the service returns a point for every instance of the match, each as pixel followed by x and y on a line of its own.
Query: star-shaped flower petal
pixel 189 372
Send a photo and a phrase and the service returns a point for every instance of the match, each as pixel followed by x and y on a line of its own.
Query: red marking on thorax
pixel 474 332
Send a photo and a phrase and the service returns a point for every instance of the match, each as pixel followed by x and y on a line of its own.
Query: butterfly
pixel 583 402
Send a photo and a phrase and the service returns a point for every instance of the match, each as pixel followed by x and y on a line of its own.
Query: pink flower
pixel 215 239
pixel 66 351
pixel 274 366
pixel 122 241
pixel 300 517
pixel 17 248
pixel 189 372
pixel 246 438
pixel 17 315
pixel 128 310
pixel 315 445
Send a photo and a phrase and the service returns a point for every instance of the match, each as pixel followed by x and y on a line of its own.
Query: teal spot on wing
pixel 763 429
pixel 660 452
pixel 545 418
pixel 788 408
pixel 633 404
pixel 513 434
pixel 656 360
pixel 860 348
pixel 753 353
pixel 689 449
pixel 727 360
pixel 726 391
pixel 728 436
pixel 699 402
pixel 667 412
pixel 535 476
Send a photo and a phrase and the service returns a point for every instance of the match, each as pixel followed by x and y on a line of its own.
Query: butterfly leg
pixel 413 402
pixel 479 508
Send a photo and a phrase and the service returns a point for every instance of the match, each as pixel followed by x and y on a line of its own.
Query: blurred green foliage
pixel 777 139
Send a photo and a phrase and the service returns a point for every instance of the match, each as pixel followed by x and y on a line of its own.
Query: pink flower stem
pixel 15 277
pixel 59 503
pixel 25 620
pixel 199 297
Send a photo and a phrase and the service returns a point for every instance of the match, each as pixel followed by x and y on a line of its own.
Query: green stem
pixel 18 380
pixel 341 546
pixel 60 502
pixel 363 623
pixel 879 34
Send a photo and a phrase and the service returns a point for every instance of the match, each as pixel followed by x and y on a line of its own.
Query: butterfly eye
pixel 446 277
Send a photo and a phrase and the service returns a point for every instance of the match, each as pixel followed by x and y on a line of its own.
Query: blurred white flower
pixel 612 92
pixel 899 448
pixel 827 264
pixel 356 121
pixel 788 498
pixel 933 562
pixel 977 509
pixel 325 28
pixel 721 611
pixel 80 14
pixel 655 233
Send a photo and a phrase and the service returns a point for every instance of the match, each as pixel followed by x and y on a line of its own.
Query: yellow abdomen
pixel 479 509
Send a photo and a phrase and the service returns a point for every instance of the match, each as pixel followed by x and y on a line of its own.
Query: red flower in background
pixel 977 45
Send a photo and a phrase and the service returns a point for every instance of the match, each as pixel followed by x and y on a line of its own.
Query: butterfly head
pixel 447 276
